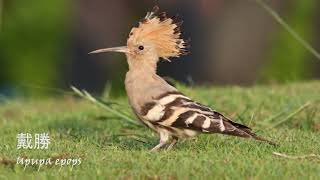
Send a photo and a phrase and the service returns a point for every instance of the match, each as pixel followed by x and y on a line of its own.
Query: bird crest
pixel 163 32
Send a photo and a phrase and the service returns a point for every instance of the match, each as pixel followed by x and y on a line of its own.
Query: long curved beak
pixel 122 49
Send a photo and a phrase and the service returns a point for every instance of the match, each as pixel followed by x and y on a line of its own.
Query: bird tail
pixel 250 134
pixel 258 138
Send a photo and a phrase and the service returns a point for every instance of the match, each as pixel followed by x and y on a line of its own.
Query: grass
pixel 110 147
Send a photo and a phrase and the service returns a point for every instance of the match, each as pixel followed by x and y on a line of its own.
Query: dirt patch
pixel 317 127
pixel 7 162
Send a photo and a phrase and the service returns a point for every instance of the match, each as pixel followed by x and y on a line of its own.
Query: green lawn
pixel 110 147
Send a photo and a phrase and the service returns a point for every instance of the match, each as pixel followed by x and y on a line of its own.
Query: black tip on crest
pixel 187 46
pixel 177 19
pixel 177 30
pixel 144 20
pixel 184 52
pixel 155 9
pixel 163 16
pixel 188 41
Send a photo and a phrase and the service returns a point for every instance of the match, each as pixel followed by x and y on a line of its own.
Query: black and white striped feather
pixel 185 117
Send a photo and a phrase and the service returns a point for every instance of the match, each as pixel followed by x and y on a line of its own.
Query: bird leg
pixel 173 142
pixel 164 138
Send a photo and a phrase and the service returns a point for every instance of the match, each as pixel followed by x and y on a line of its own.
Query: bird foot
pixel 174 142
pixel 161 144
pixel 157 147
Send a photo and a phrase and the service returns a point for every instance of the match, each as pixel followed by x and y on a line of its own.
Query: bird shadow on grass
pixel 104 132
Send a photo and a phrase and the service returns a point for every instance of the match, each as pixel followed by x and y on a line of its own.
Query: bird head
pixel 157 36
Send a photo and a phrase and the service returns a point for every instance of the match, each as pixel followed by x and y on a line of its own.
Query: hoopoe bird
pixel 157 104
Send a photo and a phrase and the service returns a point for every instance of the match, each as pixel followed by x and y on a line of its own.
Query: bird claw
pixel 174 142
pixel 154 149
pixel 161 144
pixel 157 147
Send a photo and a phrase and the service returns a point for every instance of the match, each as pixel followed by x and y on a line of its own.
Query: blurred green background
pixel 45 43
pixel 33 41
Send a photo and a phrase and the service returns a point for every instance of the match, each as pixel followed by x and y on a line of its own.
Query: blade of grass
pixel 45 88
pixel 251 119
pixel 288 28
pixel 291 115
pixel 240 116
pixel 89 97
pixel 271 118
pixel 61 91
pixel 135 137
pixel 297 157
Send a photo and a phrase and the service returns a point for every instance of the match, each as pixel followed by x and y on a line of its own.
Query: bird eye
pixel 141 48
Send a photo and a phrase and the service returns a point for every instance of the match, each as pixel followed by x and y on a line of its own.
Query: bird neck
pixel 143 66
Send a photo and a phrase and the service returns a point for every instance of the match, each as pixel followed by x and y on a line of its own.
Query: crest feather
pixel 164 32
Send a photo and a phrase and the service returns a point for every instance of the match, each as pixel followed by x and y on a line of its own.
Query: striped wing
pixel 175 110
